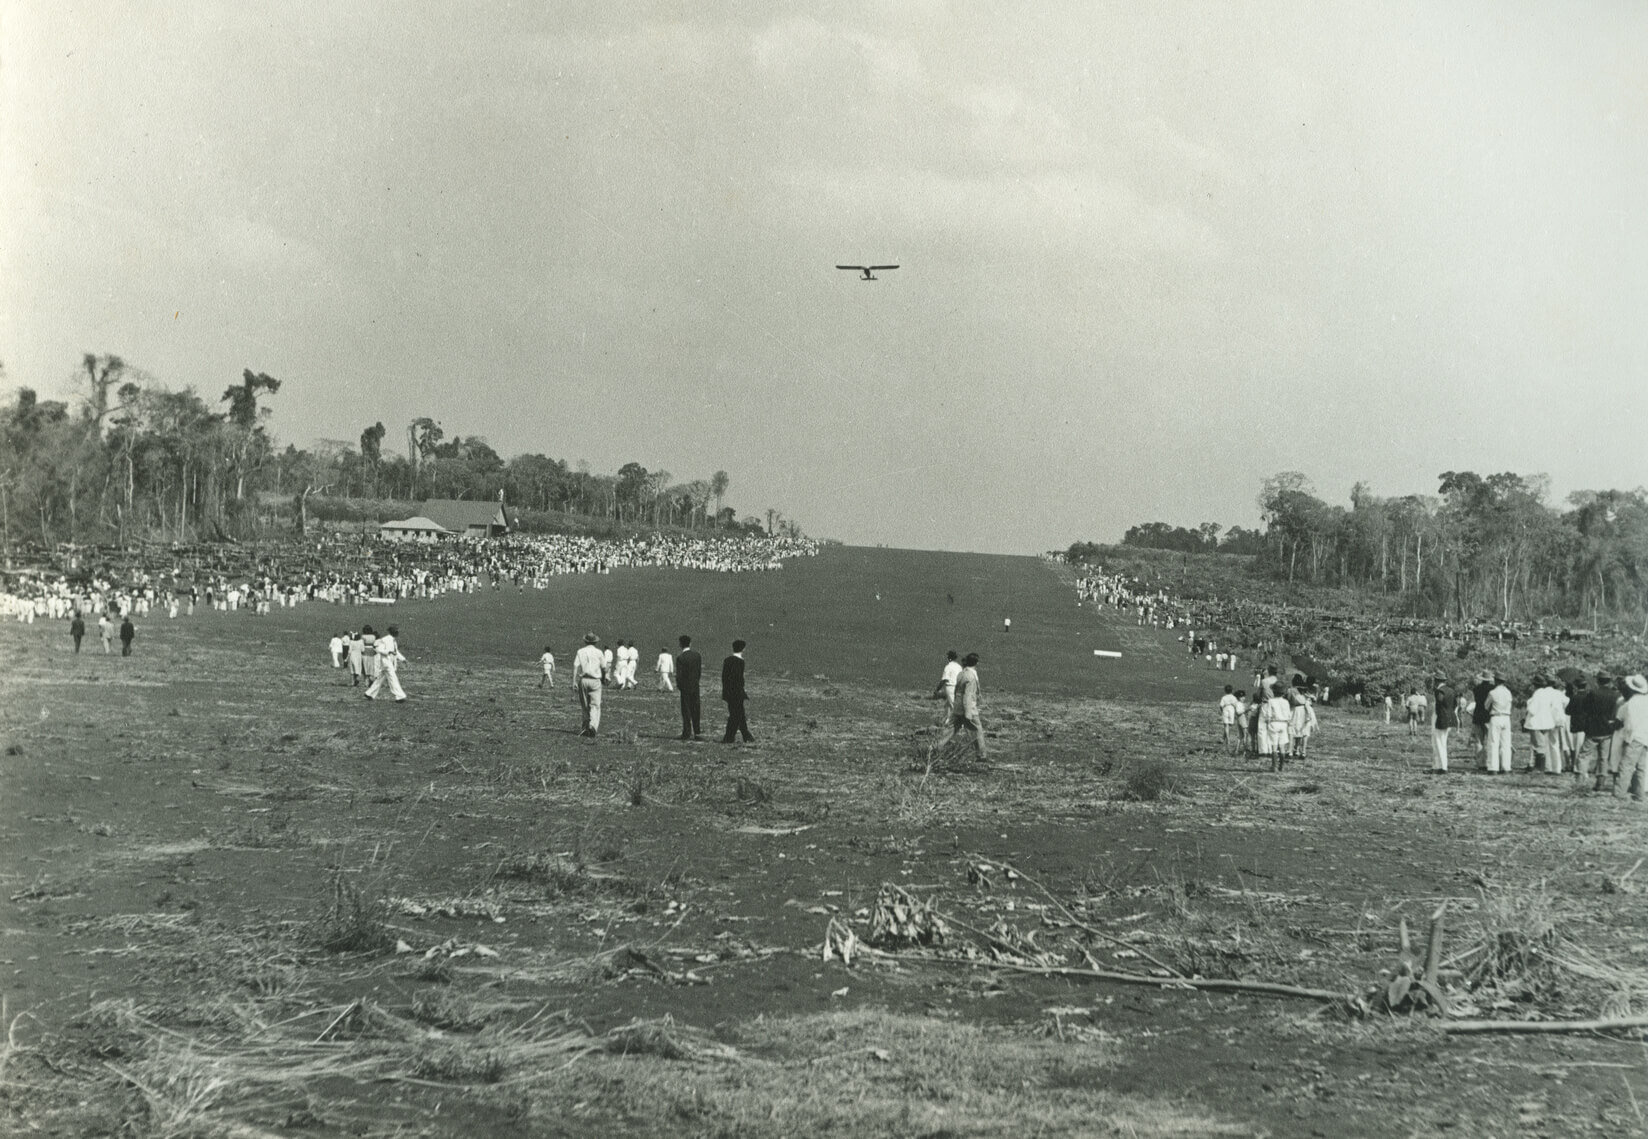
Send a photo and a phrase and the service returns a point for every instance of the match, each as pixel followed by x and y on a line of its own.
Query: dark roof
pixel 461 515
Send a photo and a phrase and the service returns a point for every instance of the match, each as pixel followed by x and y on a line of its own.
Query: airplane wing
pixel 854 268
pixel 873 268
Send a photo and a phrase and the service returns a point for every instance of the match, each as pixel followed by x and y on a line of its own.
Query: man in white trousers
pixel 389 662
pixel 946 689
pixel 588 668
pixel 1499 703
pixel 665 668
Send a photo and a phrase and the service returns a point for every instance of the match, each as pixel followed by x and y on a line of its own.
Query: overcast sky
pixel 1150 253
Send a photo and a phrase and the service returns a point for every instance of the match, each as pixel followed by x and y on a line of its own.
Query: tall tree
pixel 719 482
pixel 371 449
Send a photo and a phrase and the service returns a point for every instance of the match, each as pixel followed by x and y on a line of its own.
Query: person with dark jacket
pixel 734 695
pixel 1445 720
pixel 689 672
pixel 127 632
pixel 1597 715
pixel 77 630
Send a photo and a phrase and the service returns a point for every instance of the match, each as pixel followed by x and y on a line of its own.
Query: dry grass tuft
pixel 353 923
pixel 1147 780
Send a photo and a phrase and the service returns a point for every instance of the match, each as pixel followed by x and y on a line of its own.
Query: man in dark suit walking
pixel 689 670
pixel 732 691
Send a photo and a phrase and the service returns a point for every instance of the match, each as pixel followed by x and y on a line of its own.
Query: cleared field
pixel 871 616
pixel 243 901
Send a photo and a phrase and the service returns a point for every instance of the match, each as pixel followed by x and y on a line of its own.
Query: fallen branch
pixel 1604 1024
pixel 1268 988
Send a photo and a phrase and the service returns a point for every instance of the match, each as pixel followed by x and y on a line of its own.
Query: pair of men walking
pixel 689 671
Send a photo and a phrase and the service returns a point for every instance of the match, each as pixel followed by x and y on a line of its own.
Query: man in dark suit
pixel 732 691
pixel 689 670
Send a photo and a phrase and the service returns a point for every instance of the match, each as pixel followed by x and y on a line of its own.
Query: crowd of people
pixel 1596 731
pixel 1593 728
pixel 1276 723
pixel 133 583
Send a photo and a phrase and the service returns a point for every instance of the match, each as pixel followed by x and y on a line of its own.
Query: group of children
pixel 1277 723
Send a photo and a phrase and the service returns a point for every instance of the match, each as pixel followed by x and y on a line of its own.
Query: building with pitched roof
pixel 416 529
pixel 469 518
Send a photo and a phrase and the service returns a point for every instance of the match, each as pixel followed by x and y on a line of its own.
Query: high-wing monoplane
pixel 869 271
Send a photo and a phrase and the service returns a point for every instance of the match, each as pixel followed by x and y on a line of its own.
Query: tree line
pixel 1482 547
pixel 130 458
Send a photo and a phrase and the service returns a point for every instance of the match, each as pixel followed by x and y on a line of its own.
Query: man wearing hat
pixel 588 673
pixel 964 708
pixel 1595 716
pixel 1446 719
pixel 1633 737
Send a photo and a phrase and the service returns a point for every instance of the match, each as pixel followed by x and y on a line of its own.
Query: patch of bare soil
pixel 256 904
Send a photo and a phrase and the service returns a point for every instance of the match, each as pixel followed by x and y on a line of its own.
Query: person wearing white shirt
pixel 336 646
pixel 547 663
pixel 665 668
pixel 964 714
pixel 589 667
pixel 1632 740
pixel 1499 701
pixel 1545 705
pixel 946 690
pixel 390 659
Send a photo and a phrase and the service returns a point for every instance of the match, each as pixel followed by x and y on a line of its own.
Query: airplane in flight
pixel 869 271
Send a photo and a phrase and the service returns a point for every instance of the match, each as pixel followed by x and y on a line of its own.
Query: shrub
pixel 1148 780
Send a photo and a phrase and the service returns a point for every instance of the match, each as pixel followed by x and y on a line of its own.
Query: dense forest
pixel 131 459
pixel 1484 546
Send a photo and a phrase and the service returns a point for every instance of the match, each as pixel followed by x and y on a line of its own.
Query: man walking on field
pixel 735 696
pixel 964 709
pixel 588 672
pixel 946 690
pixel 665 668
pixel 390 660
pixel 689 670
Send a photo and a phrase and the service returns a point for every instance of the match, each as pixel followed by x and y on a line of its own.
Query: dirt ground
pixel 241 900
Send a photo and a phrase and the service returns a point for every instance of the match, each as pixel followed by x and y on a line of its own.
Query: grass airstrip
pixel 241 901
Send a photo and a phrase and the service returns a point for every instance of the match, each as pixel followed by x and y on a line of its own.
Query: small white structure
pixel 418 529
